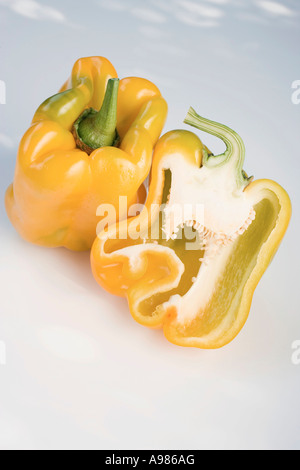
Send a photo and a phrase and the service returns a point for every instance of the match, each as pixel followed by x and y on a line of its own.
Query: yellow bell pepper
pixel 74 158
pixel 190 262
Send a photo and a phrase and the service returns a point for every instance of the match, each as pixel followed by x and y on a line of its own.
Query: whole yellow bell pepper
pixel 190 262
pixel 74 158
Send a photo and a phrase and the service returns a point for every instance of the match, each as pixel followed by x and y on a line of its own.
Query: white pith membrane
pixel 208 200
pixel 226 212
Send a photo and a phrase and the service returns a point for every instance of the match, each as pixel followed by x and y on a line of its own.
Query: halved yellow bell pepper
pixel 73 159
pixel 190 262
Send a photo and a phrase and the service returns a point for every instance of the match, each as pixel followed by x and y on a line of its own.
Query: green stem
pixel 95 129
pixel 235 148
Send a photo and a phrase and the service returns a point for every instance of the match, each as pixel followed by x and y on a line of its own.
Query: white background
pixel 80 373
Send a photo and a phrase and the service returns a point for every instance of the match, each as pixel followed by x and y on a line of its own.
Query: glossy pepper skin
pixel 57 187
pixel 200 296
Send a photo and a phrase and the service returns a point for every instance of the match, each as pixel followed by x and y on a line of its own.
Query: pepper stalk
pixel 95 129
pixel 235 148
